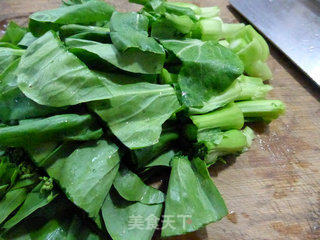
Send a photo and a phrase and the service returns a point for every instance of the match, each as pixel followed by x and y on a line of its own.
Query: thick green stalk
pixel 266 110
pixel 229 117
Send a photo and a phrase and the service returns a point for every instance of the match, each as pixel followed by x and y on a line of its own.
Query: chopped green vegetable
pixel 131 188
pixel 192 199
pixel 119 216
pixel 106 117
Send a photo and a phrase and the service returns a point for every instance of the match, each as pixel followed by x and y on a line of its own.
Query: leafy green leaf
pixel 143 156
pixel 84 14
pixel 85 172
pixel 130 21
pixel 208 68
pixel 14 33
pixel 8 55
pixel 11 201
pixel 60 78
pixel 94 33
pixel 131 60
pixel 119 214
pixel 163 160
pixel 27 39
pixel 137 115
pixel 56 221
pixel 57 128
pixel 132 188
pixel 14 105
pixel 130 30
pixel 192 199
pixel 35 199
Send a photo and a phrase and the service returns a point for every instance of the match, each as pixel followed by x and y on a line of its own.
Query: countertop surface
pixel 273 190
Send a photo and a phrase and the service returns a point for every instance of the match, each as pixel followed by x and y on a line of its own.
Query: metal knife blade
pixel 292 25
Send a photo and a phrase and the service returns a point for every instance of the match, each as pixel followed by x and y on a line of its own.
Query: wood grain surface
pixel 273 190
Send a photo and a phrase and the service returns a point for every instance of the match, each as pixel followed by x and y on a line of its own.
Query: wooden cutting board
pixel 273 190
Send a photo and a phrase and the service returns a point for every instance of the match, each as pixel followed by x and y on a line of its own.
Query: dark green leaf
pixel 35 199
pixel 143 156
pixel 14 33
pixel 192 199
pixel 56 128
pixel 85 172
pixel 94 33
pixel 130 30
pixel 11 201
pixel 56 221
pixel 85 13
pixel 208 68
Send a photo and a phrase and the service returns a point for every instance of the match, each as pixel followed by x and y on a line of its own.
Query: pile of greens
pixel 96 106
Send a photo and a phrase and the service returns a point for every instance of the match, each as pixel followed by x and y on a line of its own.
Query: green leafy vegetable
pixel 143 156
pixel 86 13
pixel 8 55
pixel 243 88
pixel 95 33
pixel 14 105
pixel 36 199
pixel 59 128
pixel 253 50
pixel 131 60
pixel 136 117
pixel 131 188
pixel 27 39
pixel 11 201
pixel 192 199
pixel 106 117
pixel 59 79
pixel 119 216
pixel 85 172
pixel 208 68
pixel 13 34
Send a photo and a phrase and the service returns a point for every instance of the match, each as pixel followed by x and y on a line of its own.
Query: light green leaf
pixel 8 55
pixel 132 188
pixel 163 160
pixel 131 60
pixel 136 117
pixel 14 105
pixel 49 75
pixel 27 39
pixel 119 216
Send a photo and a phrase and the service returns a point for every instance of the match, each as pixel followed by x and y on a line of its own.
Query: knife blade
pixel 292 25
